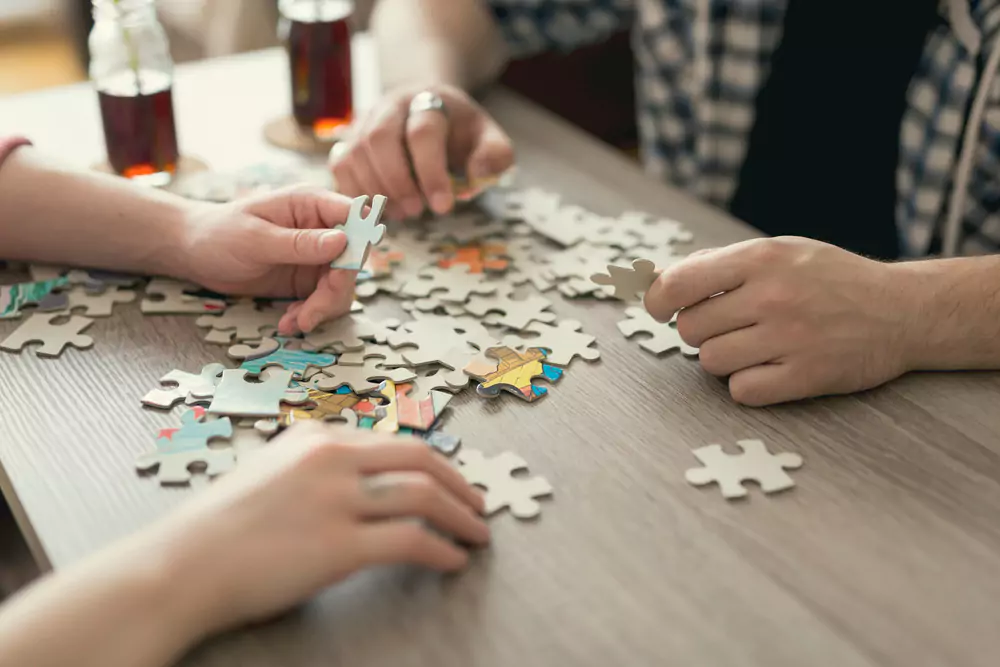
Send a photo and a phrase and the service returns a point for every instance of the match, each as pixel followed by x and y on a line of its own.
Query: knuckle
pixel 687 328
pixel 411 537
pixel 745 392
pixel 777 296
pixel 711 358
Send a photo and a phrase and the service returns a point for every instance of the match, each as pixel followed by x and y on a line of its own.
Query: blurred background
pixel 44 43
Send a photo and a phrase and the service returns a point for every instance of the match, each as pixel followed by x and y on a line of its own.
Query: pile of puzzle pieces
pixel 474 288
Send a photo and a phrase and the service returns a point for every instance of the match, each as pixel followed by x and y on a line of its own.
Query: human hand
pixel 277 245
pixel 315 505
pixel 789 318
pixel 387 140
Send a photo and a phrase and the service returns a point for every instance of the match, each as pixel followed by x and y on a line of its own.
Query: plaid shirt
pixel 700 64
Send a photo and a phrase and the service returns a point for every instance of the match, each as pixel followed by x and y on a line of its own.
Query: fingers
pixel 716 316
pixel 300 207
pixel 386 154
pixel 288 325
pixel 427 140
pixel 492 154
pixel 768 384
pixel 696 279
pixel 331 299
pixel 282 245
pixel 402 541
pixel 744 348
pixel 400 455
pixel 418 495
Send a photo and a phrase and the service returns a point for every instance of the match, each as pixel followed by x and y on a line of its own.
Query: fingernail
pixel 441 202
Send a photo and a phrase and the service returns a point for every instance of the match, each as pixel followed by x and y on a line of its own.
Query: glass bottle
pixel 132 71
pixel 317 35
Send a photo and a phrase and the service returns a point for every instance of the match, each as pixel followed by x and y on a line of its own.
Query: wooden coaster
pixel 186 165
pixel 285 133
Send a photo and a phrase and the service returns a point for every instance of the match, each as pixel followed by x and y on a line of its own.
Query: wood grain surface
pixel 886 553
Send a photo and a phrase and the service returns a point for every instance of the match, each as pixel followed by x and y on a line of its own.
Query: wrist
pixel 180 236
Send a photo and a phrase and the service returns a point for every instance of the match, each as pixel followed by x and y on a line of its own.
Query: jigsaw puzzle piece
pixel 663 336
pixel 562 343
pixel 628 283
pixel 514 373
pixel 169 297
pixel 496 476
pixel 189 387
pixel 236 397
pixel 349 332
pixel 243 321
pixel 417 413
pixel 755 463
pixel 98 305
pixel 177 450
pixel 13 298
pixel 275 352
pixel 39 328
pixel 363 231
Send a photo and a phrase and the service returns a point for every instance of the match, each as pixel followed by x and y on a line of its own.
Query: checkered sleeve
pixel 533 26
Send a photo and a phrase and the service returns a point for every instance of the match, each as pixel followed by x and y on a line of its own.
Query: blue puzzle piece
pixel 297 361
pixel 193 433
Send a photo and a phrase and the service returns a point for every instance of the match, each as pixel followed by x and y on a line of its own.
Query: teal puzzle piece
pixel 296 361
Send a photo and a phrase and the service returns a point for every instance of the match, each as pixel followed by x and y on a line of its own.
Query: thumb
pixel 492 155
pixel 303 246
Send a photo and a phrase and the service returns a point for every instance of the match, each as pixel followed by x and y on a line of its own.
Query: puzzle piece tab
pixel 496 475
pixel 629 283
pixel 755 464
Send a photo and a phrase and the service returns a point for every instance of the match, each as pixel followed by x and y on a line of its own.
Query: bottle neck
pixel 128 13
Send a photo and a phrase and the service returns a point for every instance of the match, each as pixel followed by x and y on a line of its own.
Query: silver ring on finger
pixel 427 101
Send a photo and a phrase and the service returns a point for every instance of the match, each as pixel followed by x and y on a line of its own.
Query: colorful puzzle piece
pixel 514 373
pixel 479 257
pixel 419 414
pixel 275 352
pixel 177 450
pixel 41 294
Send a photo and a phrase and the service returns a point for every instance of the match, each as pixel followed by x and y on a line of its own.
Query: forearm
pixel 51 214
pixel 127 607
pixel 956 312
pixel 437 42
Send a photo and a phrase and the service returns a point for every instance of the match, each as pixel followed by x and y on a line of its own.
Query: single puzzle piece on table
pixel 754 464
pixel 177 450
pixel 276 352
pixel 42 294
pixel 169 297
pixel 663 336
pixel 386 357
pixel 419 413
pixel 98 305
pixel 453 285
pixel 39 328
pixel 236 397
pixel 503 489
pixel 243 321
pixel 358 378
pixel 562 342
pixel 436 340
pixel 187 387
pixel 514 373
pixel 653 232
pixel 513 313
pixel 348 333
pixel 363 231
pixel 480 257
pixel 629 283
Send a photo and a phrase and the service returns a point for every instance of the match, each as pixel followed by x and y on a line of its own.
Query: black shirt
pixel 823 150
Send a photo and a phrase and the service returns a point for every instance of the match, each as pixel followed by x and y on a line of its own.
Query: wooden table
pixel 887 552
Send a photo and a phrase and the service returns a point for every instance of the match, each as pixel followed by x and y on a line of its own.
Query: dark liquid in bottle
pixel 139 130
pixel 319 53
